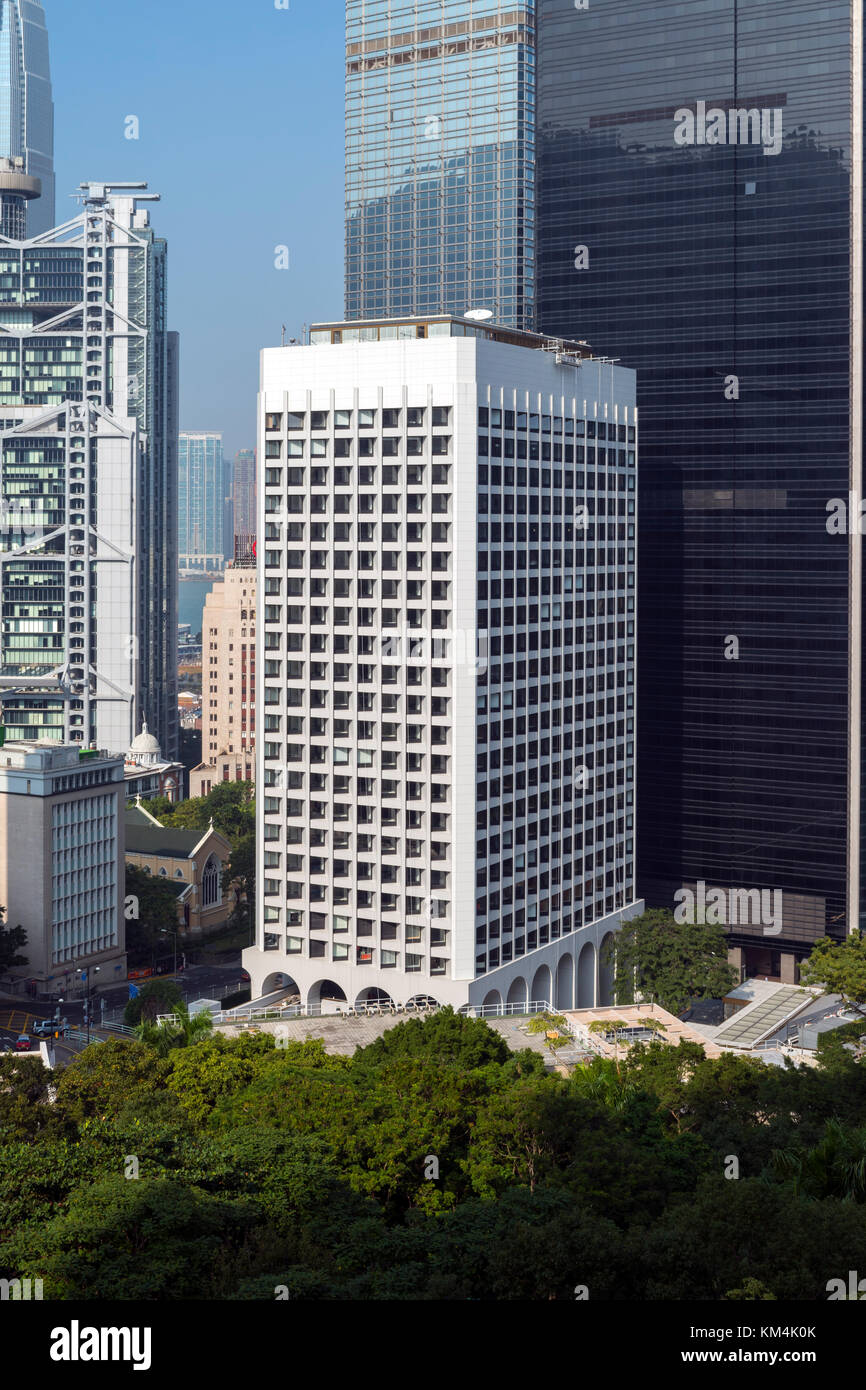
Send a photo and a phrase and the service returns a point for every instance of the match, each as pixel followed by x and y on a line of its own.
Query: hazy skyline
pixel 240 117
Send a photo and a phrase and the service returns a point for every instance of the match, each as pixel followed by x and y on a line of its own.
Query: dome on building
pixel 144 747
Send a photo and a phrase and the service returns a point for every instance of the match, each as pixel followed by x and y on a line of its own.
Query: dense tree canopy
pixel 433 1164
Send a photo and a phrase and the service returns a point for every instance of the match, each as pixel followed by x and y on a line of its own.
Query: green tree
pixel 839 967
pixel 753 1291
pixel 244 1079
pixel 240 872
pixel 156 996
pixel 11 941
pixel 835 1167
pixel 446 1035
pixel 155 903
pixel 706 1243
pixel 135 1241
pixel 670 962
pixel 24 1095
pixel 183 1031
pixel 111 1078
pixel 231 806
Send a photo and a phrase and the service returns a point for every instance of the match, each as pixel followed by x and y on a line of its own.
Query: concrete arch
pixel 586 977
pixel 420 1001
pixel 517 991
pixel 565 982
pixel 542 986
pixel 325 989
pixel 278 979
pixel 605 971
pixel 373 995
pixel 491 998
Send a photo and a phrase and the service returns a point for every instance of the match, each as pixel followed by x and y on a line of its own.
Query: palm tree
pixel 181 1031
pixel 602 1081
pixel 835 1167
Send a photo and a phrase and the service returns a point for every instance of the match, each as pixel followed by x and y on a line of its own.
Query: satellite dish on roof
pixel 480 314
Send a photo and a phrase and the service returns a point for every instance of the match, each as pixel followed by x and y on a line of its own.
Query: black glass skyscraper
pixel 700 218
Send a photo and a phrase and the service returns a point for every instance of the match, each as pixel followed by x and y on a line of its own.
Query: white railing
pixel 537 1006
pixel 248 1013
pixel 78 1035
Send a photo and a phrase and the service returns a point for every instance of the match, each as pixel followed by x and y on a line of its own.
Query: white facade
pixel 445 667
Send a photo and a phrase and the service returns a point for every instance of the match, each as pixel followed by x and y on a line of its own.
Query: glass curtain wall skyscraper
pixel 88 479
pixel 201 501
pixel 26 106
pixel 440 158
pixel 700 212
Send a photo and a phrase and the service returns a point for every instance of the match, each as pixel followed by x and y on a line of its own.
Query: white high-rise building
pixel 445 665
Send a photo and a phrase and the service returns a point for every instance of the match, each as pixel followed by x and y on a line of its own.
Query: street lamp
pixel 167 931
pixel 84 972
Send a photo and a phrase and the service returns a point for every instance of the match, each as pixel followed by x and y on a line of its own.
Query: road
pixel 196 982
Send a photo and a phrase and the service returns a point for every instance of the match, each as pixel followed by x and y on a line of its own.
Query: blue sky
pixel 240 109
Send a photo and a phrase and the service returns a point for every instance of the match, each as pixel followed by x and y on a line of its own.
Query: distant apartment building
pixel 244 494
pixel 228 706
pixel 62 860
pixel 440 158
pixel 201 502
pixel 446 665
pixel 88 478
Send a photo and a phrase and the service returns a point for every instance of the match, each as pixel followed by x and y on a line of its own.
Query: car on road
pixel 23 1043
pixel 47 1027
